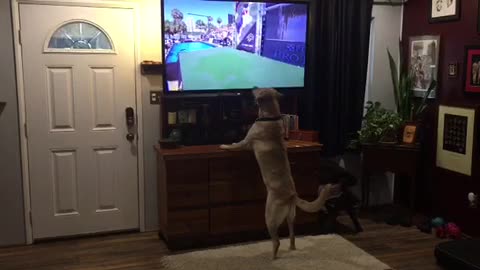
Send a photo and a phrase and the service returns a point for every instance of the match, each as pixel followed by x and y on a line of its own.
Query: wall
pixel 386 27
pixel 449 189
pixel 385 34
pixel 12 229
pixel 151 49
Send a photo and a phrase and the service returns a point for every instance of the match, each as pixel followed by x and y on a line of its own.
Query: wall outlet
pixel 473 199
pixel 155 97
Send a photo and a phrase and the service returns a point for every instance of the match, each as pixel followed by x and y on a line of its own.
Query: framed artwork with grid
pixel 455 138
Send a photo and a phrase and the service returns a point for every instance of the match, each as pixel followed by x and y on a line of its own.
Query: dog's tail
pixel 316 205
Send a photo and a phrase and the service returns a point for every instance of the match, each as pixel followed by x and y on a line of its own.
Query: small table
pixel 395 158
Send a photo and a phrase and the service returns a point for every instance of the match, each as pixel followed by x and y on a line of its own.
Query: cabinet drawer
pixel 187 171
pixel 232 219
pixel 304 168
pixel 187 195
pixel 234 192
pixel 304 160
pixel 236 179
pixel 239 168
pixel 306 185
pixel 186 223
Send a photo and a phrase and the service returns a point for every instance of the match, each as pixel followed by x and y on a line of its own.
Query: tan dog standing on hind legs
pixel 266 139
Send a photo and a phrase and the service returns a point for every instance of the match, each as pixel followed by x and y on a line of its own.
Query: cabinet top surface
pixel 215 151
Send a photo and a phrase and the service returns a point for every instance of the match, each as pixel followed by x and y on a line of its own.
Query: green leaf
pixel 394 74
pixel 423 104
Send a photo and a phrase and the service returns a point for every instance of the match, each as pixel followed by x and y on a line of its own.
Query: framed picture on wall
pixel 452 70
pixel 423 63
pixel 455 136
pixel 472 69
pixel 444 10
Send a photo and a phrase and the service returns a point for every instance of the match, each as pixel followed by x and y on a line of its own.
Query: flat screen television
pixel 212 45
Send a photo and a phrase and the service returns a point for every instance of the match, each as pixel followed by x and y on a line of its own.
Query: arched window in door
pixel 79 36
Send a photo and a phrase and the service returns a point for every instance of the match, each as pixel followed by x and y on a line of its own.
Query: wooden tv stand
pixel 208 195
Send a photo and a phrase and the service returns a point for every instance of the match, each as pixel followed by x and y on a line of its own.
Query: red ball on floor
pixel 453 231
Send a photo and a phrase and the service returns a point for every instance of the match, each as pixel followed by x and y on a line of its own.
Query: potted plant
pixel 383 126
pixel 409 109
pixel 379 125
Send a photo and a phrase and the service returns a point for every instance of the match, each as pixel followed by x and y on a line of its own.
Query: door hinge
pixel 20 37
pixel 31 219
pixel 25 129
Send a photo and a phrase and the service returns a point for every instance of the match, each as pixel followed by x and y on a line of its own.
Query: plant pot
pixel 390 138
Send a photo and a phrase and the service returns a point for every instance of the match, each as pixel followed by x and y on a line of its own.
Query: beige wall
pixel 151 49
pixel 12 229
pixel 386 34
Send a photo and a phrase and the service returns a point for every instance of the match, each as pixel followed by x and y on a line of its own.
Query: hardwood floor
pixel 399 247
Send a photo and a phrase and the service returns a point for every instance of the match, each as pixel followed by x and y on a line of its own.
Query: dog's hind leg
pixel 273 231
pixel 291 224
pixel 275 214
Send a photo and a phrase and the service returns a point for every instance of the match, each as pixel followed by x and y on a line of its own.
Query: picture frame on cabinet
pixel 471 76
pixel 444 10
pixel 410 133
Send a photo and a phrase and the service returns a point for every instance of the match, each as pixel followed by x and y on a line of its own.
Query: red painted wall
pixel 449 189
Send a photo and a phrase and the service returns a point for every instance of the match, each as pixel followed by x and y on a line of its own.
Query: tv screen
pixel 212 45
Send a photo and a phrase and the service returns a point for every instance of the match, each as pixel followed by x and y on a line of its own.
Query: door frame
pixel 15 5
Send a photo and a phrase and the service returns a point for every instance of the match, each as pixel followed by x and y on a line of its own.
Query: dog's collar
pixel 266 119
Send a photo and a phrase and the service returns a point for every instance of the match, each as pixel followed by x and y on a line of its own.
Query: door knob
pixel 130 137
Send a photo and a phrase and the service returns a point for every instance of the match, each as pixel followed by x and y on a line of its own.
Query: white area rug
pixel 325 252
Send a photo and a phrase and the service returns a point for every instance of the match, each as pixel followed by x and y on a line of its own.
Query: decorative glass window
pixel 79 36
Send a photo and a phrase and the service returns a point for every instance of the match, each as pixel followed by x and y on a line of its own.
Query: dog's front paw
pixel 224 147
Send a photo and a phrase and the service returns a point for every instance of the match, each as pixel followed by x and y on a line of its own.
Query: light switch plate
pixel 155 97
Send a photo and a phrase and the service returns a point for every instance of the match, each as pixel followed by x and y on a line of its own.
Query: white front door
pixel 79 78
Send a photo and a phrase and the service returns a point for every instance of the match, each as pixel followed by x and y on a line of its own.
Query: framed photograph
pixel 444 10
pixel 452 70
pixel 455 135
pixel 423 63
pixel 410 133
pixel 472 69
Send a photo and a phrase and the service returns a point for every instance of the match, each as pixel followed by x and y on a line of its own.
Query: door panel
pixel 83 171
pixel 60 91
pixel 65 182
pixel 104 96
pixel 106 178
